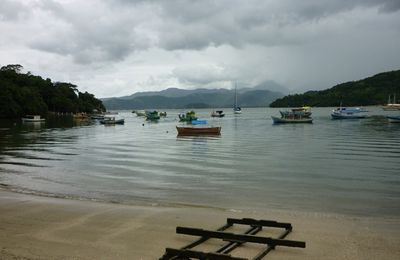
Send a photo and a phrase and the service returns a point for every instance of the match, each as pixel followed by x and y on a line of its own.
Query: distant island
pixel 374 90
pixel 23 93
pixel 197 98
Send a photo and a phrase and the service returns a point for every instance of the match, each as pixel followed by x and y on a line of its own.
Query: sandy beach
pixel 34 227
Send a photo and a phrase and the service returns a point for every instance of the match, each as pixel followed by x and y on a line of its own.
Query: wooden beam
pixel 239 237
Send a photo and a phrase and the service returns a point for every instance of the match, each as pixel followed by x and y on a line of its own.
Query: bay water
pixel 333 166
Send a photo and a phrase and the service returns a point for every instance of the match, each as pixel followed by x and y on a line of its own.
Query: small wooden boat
pixel 111 120
pixel 393 119
pixel 218 113
pixel 32 118
pixel 210 130
pixel 291 120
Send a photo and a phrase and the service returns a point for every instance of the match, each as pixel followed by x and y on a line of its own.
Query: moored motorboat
pixel 97 116
pixel 112 120
pixel 32 118
pixel 349 113
pixel 217 113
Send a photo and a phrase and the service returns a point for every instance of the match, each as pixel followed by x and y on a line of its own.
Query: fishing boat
pixel 236 108
pixel 187 117
pixel 218 113
pixel 152 115
pixel 300 111
pixel 349 113
pixel 32 118
pixel 112 120
pixel 391 106
pixel 196 130
pixel 291 119
pixel 393 119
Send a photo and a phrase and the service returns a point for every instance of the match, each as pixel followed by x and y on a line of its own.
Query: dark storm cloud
pixel 93 31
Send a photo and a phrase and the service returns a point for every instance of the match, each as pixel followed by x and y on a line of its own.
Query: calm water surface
pixel 349 166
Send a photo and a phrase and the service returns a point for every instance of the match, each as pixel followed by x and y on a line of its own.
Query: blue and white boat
pixel 349 113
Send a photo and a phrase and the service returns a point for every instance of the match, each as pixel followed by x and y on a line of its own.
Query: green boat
pixel 152 115
pixel 188 117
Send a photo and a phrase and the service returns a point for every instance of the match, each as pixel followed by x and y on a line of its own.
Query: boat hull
pixel 393 119
pixel 198 130
pixel 112 122
pixel 347 116
pixel 278 120
pixel 32 119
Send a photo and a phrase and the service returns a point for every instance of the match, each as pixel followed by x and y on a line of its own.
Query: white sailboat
pixel 236 108
pixel 392 106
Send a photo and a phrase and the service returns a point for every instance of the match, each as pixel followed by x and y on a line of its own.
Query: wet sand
pixel 34 227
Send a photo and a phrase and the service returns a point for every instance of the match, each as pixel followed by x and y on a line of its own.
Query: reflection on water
pixel 348 166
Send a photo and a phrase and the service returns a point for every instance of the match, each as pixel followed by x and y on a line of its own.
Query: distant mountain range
pixel 374 90
pixel 198 98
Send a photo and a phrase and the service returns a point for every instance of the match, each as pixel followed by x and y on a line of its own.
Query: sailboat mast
pixel 235 95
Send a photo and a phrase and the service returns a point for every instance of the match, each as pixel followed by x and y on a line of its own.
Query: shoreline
pixel 37 227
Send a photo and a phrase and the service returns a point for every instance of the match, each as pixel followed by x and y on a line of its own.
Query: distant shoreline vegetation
pixel 23 93
pixel 374 90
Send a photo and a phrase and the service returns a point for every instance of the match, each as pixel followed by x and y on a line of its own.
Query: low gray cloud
pixel 112 30
pixel 202 43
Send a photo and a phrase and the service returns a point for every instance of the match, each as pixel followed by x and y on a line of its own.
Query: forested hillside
pixel 24 93
pixel 374 90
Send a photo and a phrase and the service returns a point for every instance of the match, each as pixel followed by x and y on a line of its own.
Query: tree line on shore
pixel 374 90
pixel 23 93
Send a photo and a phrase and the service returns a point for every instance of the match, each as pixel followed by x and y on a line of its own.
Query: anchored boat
pixel 199 127
pixel 187 117
pixel 300 112
pixel 195 130
pixel 218 113
pixel 112 120
pixel 349 113
pixel 236 108
pixel 391 106
pixel 32 118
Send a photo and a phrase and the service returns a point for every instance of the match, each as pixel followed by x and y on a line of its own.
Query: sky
pixel 114 48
